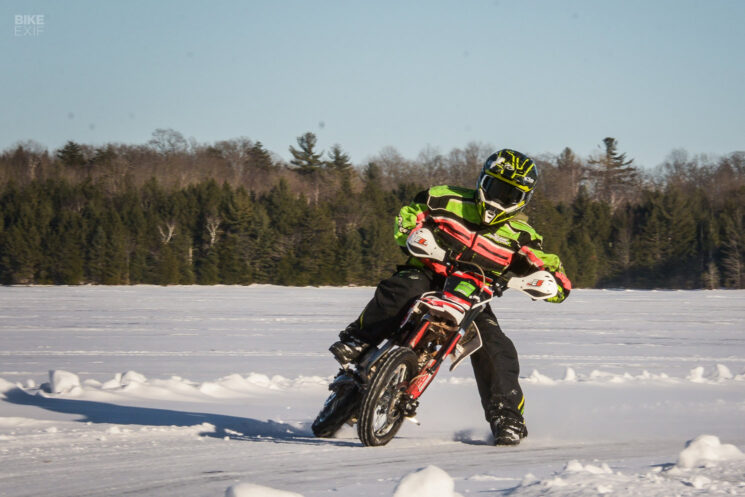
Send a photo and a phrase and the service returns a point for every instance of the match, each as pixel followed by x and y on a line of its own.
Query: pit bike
pixel 384 387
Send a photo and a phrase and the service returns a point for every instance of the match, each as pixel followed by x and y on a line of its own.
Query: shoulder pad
pixel 451 191
pixel 528 236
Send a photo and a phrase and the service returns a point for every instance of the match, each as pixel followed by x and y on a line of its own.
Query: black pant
pixel 495 364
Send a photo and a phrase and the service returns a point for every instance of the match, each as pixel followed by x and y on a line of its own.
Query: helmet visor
pixel 499 193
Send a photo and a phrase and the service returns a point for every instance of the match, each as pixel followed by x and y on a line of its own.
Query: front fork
pixel 421 381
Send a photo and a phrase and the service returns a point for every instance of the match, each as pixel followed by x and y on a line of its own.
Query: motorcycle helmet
pixel 505 185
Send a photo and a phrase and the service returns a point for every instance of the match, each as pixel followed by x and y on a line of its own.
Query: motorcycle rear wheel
pixel 381 414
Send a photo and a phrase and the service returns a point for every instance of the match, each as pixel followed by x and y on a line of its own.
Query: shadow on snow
pixel 233 427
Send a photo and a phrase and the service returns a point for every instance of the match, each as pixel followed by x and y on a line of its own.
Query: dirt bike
pixel 384 387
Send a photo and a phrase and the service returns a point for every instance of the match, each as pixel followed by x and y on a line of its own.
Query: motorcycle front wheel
pixel 381 413
pixel 338 408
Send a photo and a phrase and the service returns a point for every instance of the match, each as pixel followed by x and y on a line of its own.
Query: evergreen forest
pixel 173 211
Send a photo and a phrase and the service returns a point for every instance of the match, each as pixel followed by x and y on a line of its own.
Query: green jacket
pixel 452 214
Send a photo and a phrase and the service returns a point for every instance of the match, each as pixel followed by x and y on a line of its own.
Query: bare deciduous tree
pixel 167 231
pixel 213 228
pixel 464 165
pixel 236 153
pixel 168 141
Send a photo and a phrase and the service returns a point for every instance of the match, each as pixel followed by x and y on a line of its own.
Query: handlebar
pixel 497 284
pixel 539 285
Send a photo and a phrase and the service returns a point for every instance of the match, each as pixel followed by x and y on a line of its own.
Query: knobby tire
pixel 380 403
pixel 337 410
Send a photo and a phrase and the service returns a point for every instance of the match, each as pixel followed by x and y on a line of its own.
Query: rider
pixel 483 226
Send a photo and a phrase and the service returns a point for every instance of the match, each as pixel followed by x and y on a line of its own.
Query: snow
pixel 196 391
pixel 63 382
pixel 426 482
pixel 707 448
pixel 251 490
pixel 726 478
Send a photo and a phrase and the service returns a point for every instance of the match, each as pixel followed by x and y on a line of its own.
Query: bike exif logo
pixel 29 25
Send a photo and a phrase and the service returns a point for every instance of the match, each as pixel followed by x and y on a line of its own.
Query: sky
pixel 536 76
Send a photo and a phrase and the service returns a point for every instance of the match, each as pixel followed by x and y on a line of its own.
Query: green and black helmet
pixel 505 185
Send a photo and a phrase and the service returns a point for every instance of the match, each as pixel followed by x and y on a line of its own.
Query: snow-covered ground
pixel 209 391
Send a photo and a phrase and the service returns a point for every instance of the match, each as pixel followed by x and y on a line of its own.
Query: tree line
pixel 173 211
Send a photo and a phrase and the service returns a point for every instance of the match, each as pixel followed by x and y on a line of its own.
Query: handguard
pixel 421 243
pixel 540 285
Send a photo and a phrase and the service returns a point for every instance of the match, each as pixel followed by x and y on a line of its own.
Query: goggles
pixel 500 194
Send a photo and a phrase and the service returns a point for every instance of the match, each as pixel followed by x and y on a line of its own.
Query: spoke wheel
pixel 381 414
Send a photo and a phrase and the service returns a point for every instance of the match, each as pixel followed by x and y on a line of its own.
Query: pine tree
pixel 649 246
pixel 621 246
pixel 306 159
pixel 711 278
pixel 349 266
pixel 19 255
pixel 707 239
pixel 316 250
pixel 613 175
pixel 679 252
pixel 570 174
pixel 63 247
pixel 733 248
pixel 379 252
pixel 283 208
pixel 259 157
pixel 207 267
pixel 259 246
pixel 96 259
pixel 235 215
pixel 591 224
pixel 338 160
pixel 27 214
pixel 129 207
pixel 581 261
pixel 284 211
pixel 168 270
pixel 71 155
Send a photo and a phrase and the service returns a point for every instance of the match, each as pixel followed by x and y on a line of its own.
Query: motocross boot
pixel 508 430
pixel 349 348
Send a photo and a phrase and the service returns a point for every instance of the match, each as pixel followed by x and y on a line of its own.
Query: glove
pixel 565 287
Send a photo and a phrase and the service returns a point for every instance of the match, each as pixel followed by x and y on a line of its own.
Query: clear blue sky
pixel 533 75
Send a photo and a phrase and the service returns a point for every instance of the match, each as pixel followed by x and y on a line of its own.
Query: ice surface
pixel 195 391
